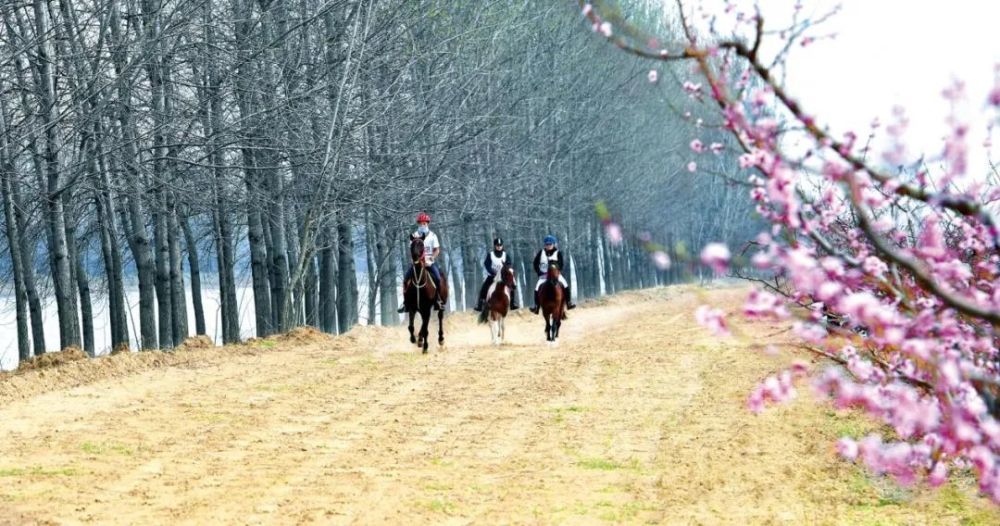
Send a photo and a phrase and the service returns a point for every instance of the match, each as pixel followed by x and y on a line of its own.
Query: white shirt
pixel 497 262
pixel 543 262
pixel 430 243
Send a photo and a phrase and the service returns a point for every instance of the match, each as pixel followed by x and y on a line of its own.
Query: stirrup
pixel 570 306
pixel 401 309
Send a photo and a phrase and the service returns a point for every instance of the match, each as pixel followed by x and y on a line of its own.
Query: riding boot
pixel 402 308
pixel 482 296
pixel 569 299
pixel 513 299
pixel 534 309
pixel 438 302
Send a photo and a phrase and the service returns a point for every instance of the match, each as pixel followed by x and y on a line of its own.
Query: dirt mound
pixel 53 359
pixel 196 342
pixel 304 336
pixel 73 368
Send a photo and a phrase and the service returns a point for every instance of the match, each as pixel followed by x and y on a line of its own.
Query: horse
pixel 498 298
pixel 550 298
pixel 418 296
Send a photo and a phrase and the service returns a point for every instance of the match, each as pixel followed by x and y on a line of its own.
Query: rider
pixel 549 255
pixel 493 264
pixel 432 248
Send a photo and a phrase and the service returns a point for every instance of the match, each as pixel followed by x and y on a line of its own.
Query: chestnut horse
pixel 419 293
pixel 498 298
pixel 550 297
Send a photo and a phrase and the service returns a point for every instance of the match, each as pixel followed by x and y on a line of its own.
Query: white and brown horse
pixel 498 300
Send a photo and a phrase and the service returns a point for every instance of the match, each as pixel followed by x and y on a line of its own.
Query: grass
pixel 851 424
pixel 438 461
pixel 107 447
pixel 438 486
pixel 624 512
pixel 38 471
pixel 439 506
pixel 559 413
pixel 604 464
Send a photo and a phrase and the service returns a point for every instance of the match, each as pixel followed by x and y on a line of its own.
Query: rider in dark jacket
pixel 494 263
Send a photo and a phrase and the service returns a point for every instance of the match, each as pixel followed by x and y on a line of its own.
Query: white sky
pixel 897 52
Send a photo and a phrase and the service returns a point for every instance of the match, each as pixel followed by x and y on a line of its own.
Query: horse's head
pixel 416 249
pixel 507 275
pixel 553 271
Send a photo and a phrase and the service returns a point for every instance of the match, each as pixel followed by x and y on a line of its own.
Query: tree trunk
pixel 135 221
pixel 195 267
pixel 164 293
pixel 113 270
pixel 328 281
pixel 14 244
pixel 387 278
pixel 311 294
pixel 347 286
pixel 48 114
pixel 178 292
pixel 86 307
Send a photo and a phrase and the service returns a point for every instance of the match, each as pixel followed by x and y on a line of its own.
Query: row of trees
pixel 172 144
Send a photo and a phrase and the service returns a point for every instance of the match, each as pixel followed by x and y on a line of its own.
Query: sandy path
pixel 637 417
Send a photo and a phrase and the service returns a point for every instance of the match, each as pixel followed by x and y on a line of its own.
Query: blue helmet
pixel 550 240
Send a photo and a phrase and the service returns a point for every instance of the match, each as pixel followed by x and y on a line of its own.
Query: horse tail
pixel 484 315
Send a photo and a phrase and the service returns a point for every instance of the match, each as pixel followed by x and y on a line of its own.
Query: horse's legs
pixel 548 329
pixel 413 339
pixel 441 327
pixel 495 331
pixel 502 328
pixel 425 320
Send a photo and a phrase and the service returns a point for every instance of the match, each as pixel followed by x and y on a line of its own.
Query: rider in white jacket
pixel 494 263
pixel 549 255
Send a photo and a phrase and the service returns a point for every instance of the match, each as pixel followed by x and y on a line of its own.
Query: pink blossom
pixel 716 256
pixel 614 233
pixel 692 166
pixel 605 29
pixel 653 76
pixel 712 319
pixel 994 97
pixel 764 304
pixel 692 89
pixel 917 361
pixel 847 448
pixel 661 260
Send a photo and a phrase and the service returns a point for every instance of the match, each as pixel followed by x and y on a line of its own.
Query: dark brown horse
pixel 550 297
pixel 498 299
pixel 419 294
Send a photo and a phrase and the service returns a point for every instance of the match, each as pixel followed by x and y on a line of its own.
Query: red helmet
pixel 422 217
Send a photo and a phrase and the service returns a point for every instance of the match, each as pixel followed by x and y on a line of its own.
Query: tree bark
pixel 195 266
pixel 347 286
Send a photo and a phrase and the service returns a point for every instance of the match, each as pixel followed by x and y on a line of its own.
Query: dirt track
pixel 637 417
